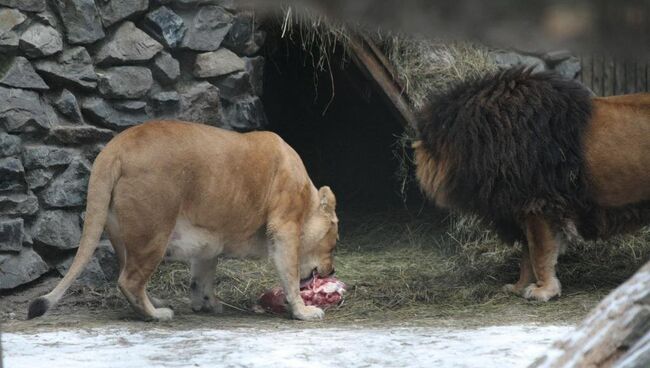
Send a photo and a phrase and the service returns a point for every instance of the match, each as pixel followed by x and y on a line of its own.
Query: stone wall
pixel 73 73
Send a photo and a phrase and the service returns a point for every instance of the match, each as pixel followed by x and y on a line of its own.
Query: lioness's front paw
pixel 308 313
pixel 513 289
pixel 543 293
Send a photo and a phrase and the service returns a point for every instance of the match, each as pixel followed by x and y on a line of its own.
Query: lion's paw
pixel 542 294
pixel 163 314
pixel 308 313
pixel 513 289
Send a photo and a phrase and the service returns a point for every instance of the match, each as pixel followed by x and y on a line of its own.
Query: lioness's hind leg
pixel 526 276
pixel 202 286
pixel 136 274
pixel 544 250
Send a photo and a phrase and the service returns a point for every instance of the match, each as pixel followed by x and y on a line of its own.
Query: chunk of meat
pixel 322 292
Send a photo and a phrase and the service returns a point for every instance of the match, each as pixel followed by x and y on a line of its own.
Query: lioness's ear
pixel 327 199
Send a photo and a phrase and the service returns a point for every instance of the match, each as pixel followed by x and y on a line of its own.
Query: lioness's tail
pixel 105 172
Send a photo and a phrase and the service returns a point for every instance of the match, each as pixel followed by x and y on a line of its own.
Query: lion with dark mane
pixel 539 159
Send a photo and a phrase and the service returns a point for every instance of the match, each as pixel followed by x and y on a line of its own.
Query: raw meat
pixel 323 292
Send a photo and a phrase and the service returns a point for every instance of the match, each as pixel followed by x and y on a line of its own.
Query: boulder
pixel 245 114
pixel 10 18
pixel 102 269
pixel 40 40
pixel 113 11
pixel 22 110
pixel 8 42
pixel 67 105
pixel 9 145
pixel 255 69
pixel 554 57
pixel 166 103
pixel 105 255
pixel 37 156
pixel 81 21
pixel 68 189
pixel 244 37
pixel 507 59
pixel 207 29
pixel 233 86
pixel 18 204
pixel 12 174
pixel 26 5
pixel 21 268
pixel 117 118
pixel 128 44
pixel 190 4
pixel 58 229
pixel 200 103
pixel 217 63
pixel 21 74
pixel 166 69
pixel 79 134
pixel 48 17
pixel 38 178
pixel 73 67
pixel 125 82
pixel 167 26
pixel 11 235
pixel 569 68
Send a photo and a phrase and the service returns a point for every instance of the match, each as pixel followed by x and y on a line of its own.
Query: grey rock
pixel 59 229
pixel 18 204
pixel 12 174
pixel 105 255
pixel 46 156
pixel 554 57
pixel 9 145
pixel 166 103
pixel 22 110
pixel 113 11
pixel 569 68
pixel 26 5
pixel 189 4
pixel 48 17
pixel 8 42
pixel 79 134
pixel 233 86
pixel 67 105
pixel 217 63
pixel 130 106
pixel 40 40
pixel 68 189
pixel 165 68
pixel 200 103
pixel 38 178
pixel 92 275
pixel 104 114
pixel 207 29
pixel 255 69
pixel 125 82
pixel 21 268
pixel 11 235
pixel 244 37
pixel 166 25
pixel 21 74
pixel 246 114
pixel 73 67
pixel 509 59
pixel 10 18
pixel 81 21
pixel 128 44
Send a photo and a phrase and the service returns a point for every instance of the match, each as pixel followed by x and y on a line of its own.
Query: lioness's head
pixel 320 236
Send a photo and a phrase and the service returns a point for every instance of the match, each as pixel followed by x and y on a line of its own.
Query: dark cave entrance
pixel 344 132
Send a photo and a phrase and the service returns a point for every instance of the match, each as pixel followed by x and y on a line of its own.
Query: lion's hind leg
pixel 202 286
pixel 544 250
pixel 526 275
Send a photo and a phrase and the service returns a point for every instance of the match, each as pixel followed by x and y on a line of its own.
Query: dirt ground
pixel 400 271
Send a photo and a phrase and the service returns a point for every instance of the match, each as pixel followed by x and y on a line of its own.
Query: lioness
pixel 194 192
pixel 539 159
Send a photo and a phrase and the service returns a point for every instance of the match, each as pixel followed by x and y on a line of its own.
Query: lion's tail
pixel 103 177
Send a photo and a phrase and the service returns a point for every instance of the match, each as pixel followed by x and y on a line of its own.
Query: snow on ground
pixel 499 346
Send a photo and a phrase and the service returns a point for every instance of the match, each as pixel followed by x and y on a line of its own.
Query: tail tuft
pixel 38 307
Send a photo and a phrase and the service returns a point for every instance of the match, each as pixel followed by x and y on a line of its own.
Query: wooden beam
pixel 371 61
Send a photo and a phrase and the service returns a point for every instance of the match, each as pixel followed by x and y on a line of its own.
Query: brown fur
pixel 197 192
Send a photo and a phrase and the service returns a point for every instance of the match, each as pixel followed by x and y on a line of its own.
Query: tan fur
pixel 197 192
pixel 617 155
